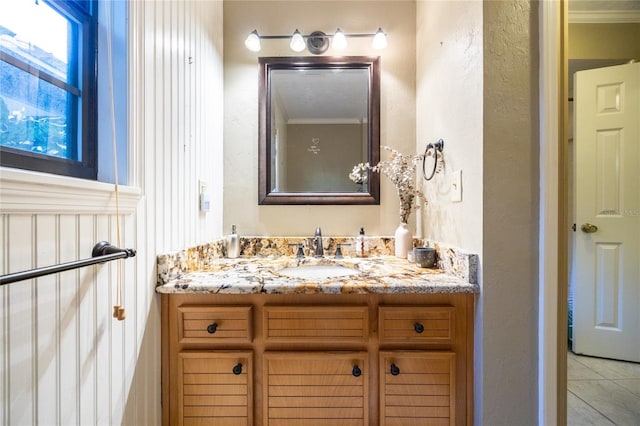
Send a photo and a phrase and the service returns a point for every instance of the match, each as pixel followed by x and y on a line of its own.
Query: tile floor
pixel 602 392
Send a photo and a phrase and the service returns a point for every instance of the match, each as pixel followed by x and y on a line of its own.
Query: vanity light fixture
pixel 297 42
pixel 339 41
pixel 253 41
pixel 379 39
pixel 317 42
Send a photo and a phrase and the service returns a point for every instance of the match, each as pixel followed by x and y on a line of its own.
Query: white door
pixel 606 313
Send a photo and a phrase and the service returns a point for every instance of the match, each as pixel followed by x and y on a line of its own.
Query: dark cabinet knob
pixel 212 328
pixel 394 370
pixel 419 328
pixel 356 371
pixel 237 369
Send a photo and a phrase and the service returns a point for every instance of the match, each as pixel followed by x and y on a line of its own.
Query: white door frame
pixel 551 372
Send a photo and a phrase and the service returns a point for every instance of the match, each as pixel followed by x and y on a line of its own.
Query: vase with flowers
pixel 400 169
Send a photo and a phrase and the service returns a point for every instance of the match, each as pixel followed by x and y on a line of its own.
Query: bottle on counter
pixel 361 244
pixel 233 244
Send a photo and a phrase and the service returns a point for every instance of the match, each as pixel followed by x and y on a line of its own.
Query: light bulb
pixel 339 41
pixel 379 40
pixel 253 41
pixel 297 42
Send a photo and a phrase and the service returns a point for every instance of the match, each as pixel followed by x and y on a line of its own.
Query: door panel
pixel 607 239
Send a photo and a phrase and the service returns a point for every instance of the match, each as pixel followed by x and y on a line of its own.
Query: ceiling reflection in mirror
pixel 319 118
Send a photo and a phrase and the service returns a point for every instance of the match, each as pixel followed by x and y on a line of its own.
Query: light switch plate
pixel 203 196
pixel 205 202
pixel 456 186
pixel 202 186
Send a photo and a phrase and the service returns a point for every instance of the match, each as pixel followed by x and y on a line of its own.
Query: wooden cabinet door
pixel 417 388
pixel 215 388
pixel 315 389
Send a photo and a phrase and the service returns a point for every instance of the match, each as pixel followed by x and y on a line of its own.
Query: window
pixel 48 88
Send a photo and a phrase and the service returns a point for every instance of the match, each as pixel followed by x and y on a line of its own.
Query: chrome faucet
pixel 317 243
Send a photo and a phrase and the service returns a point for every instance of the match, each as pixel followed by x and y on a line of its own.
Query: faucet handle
pixel 339 250
pixel 300 252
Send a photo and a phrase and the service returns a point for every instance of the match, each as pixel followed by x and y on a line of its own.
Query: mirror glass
pixel 319 117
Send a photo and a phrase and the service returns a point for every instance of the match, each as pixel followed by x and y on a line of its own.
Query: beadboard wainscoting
pixel 63 358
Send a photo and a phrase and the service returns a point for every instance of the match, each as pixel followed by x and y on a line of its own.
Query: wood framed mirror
pixel 319 117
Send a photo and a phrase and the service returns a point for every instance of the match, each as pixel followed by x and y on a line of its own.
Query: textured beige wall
pixel 507 311
pixel 449 106
pixel 397 110
pixel 604 41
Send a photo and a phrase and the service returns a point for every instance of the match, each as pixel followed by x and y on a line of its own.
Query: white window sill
pixel 24 191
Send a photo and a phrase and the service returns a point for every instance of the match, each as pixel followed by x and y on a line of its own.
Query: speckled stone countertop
pixel 204 269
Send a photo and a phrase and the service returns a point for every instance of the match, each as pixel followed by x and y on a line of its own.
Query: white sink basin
pixel 318 271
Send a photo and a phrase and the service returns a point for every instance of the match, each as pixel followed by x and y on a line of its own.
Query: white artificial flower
pixel 401 171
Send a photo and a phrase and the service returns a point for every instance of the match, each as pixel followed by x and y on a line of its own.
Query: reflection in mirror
pixel 319 116
pixel 319 128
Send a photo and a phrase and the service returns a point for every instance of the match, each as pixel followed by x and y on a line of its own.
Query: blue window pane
pixel 48 86
pixel 34 115
pixel 39 36
pixel 39 96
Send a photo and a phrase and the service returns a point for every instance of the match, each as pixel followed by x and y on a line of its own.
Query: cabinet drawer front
pixel 416 324
pixel 315 388
pixel 313 324
pixel 215 388
pixel 417 388
pixel 214 324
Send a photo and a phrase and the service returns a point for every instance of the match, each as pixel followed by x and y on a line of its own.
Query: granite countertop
pixel 259 274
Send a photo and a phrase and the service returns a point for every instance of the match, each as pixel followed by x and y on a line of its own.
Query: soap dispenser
pixel 233 244
pixel 361 244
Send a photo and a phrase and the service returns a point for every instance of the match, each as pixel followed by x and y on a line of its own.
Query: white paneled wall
pixel 63 358
pixel 180 106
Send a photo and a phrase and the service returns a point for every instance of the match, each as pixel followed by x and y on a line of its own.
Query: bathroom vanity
pixel 248 342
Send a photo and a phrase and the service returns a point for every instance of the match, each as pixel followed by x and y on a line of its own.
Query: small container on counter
pixel 361 244
pixel 425 257
pixel 233 244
